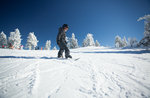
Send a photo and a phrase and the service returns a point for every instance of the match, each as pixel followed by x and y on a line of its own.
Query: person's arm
pixel 59 36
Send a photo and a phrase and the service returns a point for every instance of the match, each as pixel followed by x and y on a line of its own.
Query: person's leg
pixel 61 50
pixel 60 53
pixel 67 52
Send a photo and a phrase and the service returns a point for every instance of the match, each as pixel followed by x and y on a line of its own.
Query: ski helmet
pixel 65 26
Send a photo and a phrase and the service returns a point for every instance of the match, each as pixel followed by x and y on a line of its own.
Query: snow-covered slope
pixel 99 73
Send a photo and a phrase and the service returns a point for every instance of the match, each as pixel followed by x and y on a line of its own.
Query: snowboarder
pixel 62 43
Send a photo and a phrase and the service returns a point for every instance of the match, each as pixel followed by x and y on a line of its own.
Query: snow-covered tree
pixel 54 48
pixel 147 24
pixel 3 39
pixel 11 39
pixel 124 42
pixel 88 41
pixel 97 44
pixel 68 41
pixel 15 39
pixel 118 41
pixel 146 40
pixel 73 42
pixel 48 45
pixel 132 42
pixel 31 41
pixel 84 43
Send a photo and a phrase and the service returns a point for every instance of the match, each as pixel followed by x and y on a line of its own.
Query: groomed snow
pixel 100 72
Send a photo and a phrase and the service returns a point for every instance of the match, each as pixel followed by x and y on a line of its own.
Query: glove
pixel 66 42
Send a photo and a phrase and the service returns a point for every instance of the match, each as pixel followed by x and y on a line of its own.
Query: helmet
pixel 65 25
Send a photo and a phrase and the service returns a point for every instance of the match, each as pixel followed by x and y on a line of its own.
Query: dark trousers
pixel 63 46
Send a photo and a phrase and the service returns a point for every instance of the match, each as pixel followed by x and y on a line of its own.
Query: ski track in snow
pixel 99 73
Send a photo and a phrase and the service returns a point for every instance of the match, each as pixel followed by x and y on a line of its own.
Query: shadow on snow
pixel 118 52
pixel 29 57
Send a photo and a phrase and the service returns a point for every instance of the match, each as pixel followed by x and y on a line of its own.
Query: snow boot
pixel 60 56
pixel 69 56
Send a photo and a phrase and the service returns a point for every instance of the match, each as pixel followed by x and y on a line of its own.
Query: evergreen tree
pixel 54 48
pixel 124 42
pixel 88 41
pixel 3 39
pixel 147 24
pixel 118 41
pixel 145 42
pixel 132 42
pixel 15 39
pixel 97 43
pixel 73 42
pixel 48 45
pixel 31 41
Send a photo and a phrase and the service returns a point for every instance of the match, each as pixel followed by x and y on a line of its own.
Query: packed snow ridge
pixel 100 72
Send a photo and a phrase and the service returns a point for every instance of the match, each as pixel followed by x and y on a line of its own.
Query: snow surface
pixel 100 72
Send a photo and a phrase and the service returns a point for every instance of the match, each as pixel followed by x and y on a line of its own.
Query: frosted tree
pixel 73 42
pixel 118 41
pixel 146 40
pixel 18 38
pixel 67 39
pixel 48 45
pixel 54 48
pixel 132 42
pixel 84 43
pixel 68 42
pixel 97 44
pixel 11 39
pixel 31 41
pixel 124 42
pixel 15 39
pixel 147 24
pixel 88 41
pixel 3 39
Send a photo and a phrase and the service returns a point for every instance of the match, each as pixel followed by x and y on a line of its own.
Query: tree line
pixel 14 41
pixel 132 42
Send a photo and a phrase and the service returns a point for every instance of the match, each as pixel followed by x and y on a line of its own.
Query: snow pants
pixel 63 46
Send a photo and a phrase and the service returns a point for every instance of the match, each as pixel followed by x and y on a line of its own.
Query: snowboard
pixel 75 59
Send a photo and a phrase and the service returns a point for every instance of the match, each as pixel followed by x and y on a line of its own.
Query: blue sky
pixel 103 18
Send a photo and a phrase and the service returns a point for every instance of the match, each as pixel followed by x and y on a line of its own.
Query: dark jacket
pixel 61 37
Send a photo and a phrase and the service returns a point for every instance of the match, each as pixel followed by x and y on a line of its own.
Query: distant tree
pixel 31 41
pixel 48 45
pixel 132 42
pixel 3 39
pixel 124 42
pixel 68 41
pixel 146 40
pixel 15 39
pixel 88 41
pixel 118 42
pixel 37 48
pixel 54 48
pixel 11 39
pixel 97 44
pixel 73 42
pixel 84 43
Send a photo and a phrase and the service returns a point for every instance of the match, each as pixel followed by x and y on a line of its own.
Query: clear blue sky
pixel 103 18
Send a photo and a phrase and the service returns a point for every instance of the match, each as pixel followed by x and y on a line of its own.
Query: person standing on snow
pixel 62 43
